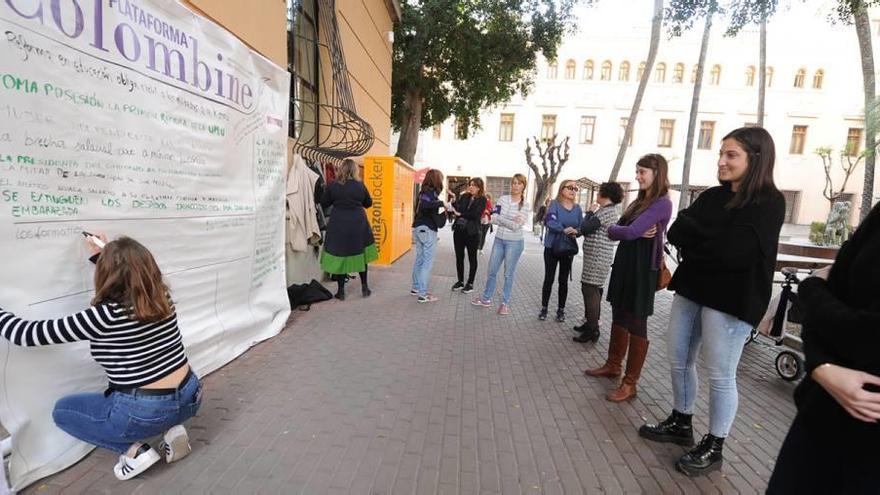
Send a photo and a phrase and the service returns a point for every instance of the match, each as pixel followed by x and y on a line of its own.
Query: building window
pixel 799 78
pixel 552 70
pixel 497 186
pixel 707 131
pixel 588 70
pixel 548 127
pixel 623 123
pixel 667 127
pixel 461 129
pixel 505 129
pixel 302 63
pixel 623 72
pixel 853 141
pixel 605 75
pixel 818 79
pixel 769 76
pixel 438 130
pixel 750 75
pixel 678 75
pixel 798 139
pixel 570 69
pixel 588 128
pixel 641 71
pixel 716 75
pixel 660 73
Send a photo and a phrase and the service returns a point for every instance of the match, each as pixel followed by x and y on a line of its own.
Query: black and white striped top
pixel 133 353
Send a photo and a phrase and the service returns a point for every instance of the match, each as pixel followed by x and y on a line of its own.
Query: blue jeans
pixel 116 421
pixel 509 253
pixel 426 245
pixel 690 326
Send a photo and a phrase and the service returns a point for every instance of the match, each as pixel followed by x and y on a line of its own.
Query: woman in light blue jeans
pixel 510 214
pixel 428 219
pixel 728 240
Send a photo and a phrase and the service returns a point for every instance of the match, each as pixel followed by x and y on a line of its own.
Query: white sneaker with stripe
pixel 129 467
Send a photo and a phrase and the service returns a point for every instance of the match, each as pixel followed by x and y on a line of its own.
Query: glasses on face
pixel 572 188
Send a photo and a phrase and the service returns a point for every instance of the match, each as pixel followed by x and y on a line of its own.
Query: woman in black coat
pixel 466 232
pixel 833 445
pixel 350 244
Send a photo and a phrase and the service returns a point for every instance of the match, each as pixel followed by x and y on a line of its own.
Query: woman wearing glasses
pixel 563 221
pixel 634 274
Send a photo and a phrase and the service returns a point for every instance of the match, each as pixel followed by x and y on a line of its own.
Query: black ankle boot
pixel 365 291
pixel 674 429
pixel 588 334
pixel 580 328
pixel 340 288
pixel 704 458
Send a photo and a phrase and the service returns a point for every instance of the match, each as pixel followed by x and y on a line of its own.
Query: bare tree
pixel 849 161
pixel 553 157
pixel 656 25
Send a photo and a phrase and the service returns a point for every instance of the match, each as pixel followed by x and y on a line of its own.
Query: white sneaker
pixel 175 444
pixel 129 467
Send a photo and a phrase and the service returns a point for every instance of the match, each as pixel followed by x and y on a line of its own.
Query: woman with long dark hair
pixel 466 232
pixel 132 330
pixel 634 275
pixel 350 245
pixel 563 223
pixel 728 240
pixel 832 445
pixel 428 219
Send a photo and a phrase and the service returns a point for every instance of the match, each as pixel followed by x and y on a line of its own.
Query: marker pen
pixel 98 242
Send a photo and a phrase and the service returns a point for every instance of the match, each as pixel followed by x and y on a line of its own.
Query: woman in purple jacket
pixel 634 274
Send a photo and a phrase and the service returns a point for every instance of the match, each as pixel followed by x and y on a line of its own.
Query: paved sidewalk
pixel 385 395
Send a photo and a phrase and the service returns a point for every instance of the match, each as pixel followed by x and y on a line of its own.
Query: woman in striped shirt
pixel 509 214
pixel 133 334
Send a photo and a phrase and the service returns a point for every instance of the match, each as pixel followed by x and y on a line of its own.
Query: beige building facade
pixel 814 100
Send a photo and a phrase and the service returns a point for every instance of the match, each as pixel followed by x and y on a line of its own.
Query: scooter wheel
pixel 790 366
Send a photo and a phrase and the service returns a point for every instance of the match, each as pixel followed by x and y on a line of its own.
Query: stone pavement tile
pixel 385 395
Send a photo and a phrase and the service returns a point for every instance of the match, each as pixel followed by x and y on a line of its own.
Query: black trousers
pixel 592 304
pixel 484 231
pixel 469 243
pixel 550 262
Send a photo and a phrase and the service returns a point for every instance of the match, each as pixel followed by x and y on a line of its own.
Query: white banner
pixel 140 119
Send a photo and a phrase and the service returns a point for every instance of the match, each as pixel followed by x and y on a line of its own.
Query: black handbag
pixel 460 224
pixel 564 246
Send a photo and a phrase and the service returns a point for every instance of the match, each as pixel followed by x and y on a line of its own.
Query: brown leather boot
pixel 638 351
pixel 616 351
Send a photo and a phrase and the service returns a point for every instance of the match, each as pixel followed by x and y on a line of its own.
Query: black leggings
pixel 550 262
pixel 592 304
pixel 463 241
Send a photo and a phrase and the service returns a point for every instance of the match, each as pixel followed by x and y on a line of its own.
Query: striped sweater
pixel 510 218
pixel 133 353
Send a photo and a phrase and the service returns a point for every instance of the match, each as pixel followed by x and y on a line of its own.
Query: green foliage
pixel 742 13
pixel 845 10
pixel 817 233
pixel 461 56
pixel 680 15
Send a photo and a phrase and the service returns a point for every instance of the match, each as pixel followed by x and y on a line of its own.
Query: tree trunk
pixel 692 121
pixel 656 25
pixel 863 31
pixel 409 128
pixel 762 70
pixel 541 190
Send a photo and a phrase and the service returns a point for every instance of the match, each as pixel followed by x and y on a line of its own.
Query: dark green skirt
pixel 633 280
